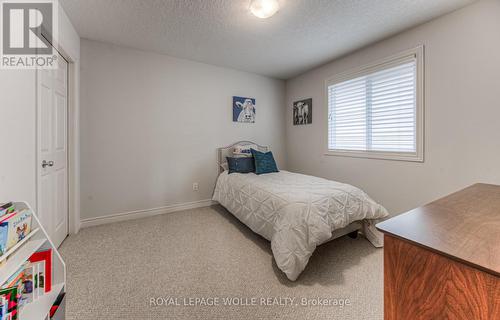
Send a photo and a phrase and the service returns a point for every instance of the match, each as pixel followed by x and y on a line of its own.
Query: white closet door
pixel 53 150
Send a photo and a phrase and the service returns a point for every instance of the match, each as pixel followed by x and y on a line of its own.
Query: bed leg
pixel 353 235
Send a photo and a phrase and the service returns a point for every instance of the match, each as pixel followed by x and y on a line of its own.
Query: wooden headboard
pixel 224 152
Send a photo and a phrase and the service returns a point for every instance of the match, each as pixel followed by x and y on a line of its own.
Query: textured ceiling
pixel 302 35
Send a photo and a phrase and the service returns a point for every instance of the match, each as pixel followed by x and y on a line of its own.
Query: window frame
pixel 394 60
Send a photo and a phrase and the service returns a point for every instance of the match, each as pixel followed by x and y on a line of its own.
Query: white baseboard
pixel 144 213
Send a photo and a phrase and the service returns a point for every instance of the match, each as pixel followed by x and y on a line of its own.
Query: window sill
pixel 395 156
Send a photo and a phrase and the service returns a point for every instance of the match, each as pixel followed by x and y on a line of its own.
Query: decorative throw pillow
pixel 241 164
pixel 264 162
pixel 244 151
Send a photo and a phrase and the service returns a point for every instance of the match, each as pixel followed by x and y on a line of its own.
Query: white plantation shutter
pixel 375 111
pixel 347 103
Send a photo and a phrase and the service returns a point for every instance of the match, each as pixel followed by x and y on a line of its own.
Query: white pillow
pixel 244 151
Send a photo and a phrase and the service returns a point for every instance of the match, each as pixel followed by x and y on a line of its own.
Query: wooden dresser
pixel 442 260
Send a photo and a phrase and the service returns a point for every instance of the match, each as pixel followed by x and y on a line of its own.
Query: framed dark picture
pixel 302 112
pixel 243 109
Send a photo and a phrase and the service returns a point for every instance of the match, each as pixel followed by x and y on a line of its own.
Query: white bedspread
pixel 295 212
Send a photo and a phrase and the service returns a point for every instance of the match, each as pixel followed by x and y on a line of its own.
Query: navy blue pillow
pixel 241 164
pixel 264 162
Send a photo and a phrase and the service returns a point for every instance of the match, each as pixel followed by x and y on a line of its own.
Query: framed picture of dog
pixel 243 109
pixel 302 112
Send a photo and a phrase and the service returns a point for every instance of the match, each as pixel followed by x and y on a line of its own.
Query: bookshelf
pixel 36 240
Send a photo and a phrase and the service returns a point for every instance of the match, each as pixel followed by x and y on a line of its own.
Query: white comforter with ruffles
pixel 295 212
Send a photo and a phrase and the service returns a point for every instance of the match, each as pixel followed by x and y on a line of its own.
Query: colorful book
pixel 27 289
pixel 6 208
pixel 3 307
pixel 5 205
pixel 10 295
pixel 4 231
pixel 19 226
pixel 15 279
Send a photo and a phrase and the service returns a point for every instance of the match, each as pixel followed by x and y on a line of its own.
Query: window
pixel 377 111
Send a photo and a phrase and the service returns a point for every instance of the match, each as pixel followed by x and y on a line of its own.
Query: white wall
pixel 462 113
pixel 69 40
pixel 151 125
pixel 17 135
pixel 18 113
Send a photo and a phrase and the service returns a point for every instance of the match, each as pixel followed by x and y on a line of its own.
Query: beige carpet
pixel 115 270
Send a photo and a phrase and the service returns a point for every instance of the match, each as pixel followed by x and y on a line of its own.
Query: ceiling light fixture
pixel 264 8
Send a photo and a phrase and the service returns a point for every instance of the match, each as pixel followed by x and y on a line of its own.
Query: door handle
pixel 46 163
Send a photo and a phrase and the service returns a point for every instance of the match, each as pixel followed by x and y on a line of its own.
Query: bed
pixel 295 212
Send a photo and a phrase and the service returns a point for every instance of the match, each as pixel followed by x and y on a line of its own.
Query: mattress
pixel 295 212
